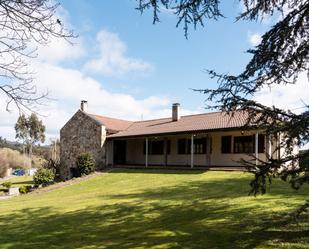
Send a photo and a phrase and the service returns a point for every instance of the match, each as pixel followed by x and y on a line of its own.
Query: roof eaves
pixel 118 135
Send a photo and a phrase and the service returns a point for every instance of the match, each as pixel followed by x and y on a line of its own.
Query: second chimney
pixel 84 105
pixel 175 112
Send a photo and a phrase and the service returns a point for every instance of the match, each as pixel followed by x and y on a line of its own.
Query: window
pixel 199 147
pixel 156 147
pixel 244 144
pixel 226 144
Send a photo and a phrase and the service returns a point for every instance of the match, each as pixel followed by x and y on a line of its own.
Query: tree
pixel 279 59
pixel 30 130
pixel 54 150
pixel 3 142
pixel 24 25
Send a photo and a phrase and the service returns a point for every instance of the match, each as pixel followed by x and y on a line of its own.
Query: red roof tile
pixel 112 123
pixel 190 123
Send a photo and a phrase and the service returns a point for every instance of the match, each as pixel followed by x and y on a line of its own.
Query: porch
pixel 200 150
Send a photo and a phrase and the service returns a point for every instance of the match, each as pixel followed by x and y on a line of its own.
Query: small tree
pixel 54 151
pixel 43 176
pixel 85 163
pixel 30 130
pixel 55 166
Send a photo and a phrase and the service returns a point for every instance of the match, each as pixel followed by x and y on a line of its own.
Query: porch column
pixel 146 153
pixel 192 150
pixel 256 148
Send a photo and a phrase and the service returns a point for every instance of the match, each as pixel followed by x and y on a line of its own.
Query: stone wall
pixel 79 135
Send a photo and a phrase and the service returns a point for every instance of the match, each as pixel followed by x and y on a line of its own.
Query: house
pixel 202 140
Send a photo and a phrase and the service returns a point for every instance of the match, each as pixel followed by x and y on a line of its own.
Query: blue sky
pixel 178 63
pixel 126 67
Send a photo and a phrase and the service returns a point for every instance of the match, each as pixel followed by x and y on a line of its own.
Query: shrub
pixel 55 166
pixel 24 189
pixel 43 176
pixel 85 164
pixel 7 184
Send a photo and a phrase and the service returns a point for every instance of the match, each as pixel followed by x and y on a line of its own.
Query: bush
pixel 85 164
pixel 55 166
pixel 43 176
pixel 24 189
pixel 7 184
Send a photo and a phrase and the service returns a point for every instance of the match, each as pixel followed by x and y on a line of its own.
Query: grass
pixel 155 209
pixel 17 181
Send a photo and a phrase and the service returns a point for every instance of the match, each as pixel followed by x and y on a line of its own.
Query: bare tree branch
pixel 23 26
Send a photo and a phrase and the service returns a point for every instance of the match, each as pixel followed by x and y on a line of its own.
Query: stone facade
pixel 81 134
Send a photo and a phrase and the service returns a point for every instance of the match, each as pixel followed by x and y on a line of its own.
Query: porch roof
pixel 190 123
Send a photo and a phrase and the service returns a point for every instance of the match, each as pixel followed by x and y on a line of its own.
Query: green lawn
pixel 16 181
pixel 155 209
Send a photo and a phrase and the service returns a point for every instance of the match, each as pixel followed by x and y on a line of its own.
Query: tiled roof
pixel 190 123
pixel 112 123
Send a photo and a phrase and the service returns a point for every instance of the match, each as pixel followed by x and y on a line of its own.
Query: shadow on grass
pixel 22 183
pixel 157 171
pixel 196 215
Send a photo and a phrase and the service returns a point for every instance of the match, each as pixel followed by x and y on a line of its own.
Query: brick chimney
pixel 175 112
pixel 84 105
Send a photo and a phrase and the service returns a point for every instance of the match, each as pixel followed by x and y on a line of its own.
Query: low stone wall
pixel 13 191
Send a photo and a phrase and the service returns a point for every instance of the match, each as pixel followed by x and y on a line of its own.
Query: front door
pixel 120 149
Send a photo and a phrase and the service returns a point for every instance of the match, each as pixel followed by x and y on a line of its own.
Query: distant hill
pixel 38 150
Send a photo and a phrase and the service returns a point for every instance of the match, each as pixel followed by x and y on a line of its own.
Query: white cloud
pixel 288 97
pixel 112 59
pixel 69 86
pixel 254 39
pixel 60 50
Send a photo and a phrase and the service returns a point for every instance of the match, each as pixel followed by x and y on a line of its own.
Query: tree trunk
pixel 30 155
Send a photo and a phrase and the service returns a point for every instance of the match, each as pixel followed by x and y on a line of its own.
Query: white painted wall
pixel 214 157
